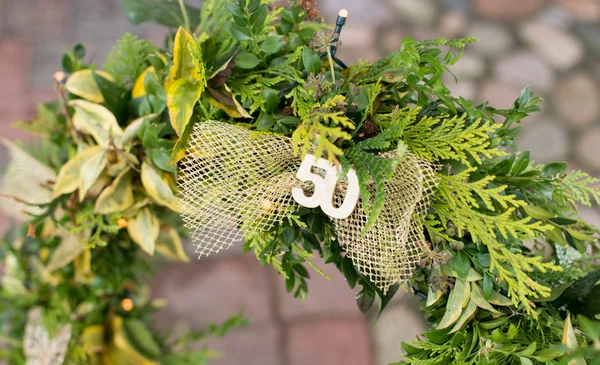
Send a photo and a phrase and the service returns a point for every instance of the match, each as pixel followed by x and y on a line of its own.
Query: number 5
pixel 325 188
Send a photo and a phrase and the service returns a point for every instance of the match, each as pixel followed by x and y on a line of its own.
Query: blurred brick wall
pixel 553 45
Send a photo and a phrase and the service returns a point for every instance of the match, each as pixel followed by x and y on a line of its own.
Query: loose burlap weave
pixel 235 183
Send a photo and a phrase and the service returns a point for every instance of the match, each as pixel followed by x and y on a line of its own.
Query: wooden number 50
pixel 325 188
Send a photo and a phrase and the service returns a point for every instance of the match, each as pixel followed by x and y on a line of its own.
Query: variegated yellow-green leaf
pixel 92 338
pixel 181 99
pixel 118 196
pixel 95 120
pixel 120 351
pixel 90 171
pixel 225 100
pixel 158 188
pixel 131 131
pixel 68 177
pixel 71 246
pixel 24 179
pixel 499 299
pixel 478 299
pixel 143 229
pixel 179 149
pixel 186 63
pixel 169 244
pixel 433 295
pixel 458 299
pixel 570 341
pixel 83 84
pixel 465 316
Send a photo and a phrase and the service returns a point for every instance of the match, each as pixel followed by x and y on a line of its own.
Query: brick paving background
pixel 553 45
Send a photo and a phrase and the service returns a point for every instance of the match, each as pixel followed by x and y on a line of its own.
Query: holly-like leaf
pixel 144 229
pixel 158 188
pixel 95 120
pixel 118 196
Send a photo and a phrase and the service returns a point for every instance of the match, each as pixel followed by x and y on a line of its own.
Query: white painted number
pixel 325 188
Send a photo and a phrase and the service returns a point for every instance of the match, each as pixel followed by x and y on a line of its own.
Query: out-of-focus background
pixel 552 45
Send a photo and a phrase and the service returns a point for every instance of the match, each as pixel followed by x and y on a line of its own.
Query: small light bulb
pixel 343 13
pixel 127 304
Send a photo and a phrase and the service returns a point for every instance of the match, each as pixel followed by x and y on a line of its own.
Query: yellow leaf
pixel 68 177
pixel 158 188
pixel 169 244
pixel 143 229
pixel 95 120
pixel 92 338
pixel 83 267
pixel 225 100
pixel 83 84
pixel 138 87
pixel 181 99
pixel 120 351
pixel 71 246
pixel 90 171
pixel 118 196
pixel 185 64
pixel 458 299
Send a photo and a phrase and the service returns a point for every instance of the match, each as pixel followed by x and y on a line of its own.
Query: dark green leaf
pixel 247 60
pixel 365 298
pixel 312 62
pixel 272 99
pixel 273 44
pixel 163 12
pixel 238 32
pixel 461 264
pixel 579 289
pixel 553 169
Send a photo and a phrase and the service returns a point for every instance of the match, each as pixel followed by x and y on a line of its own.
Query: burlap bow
pixel 236 182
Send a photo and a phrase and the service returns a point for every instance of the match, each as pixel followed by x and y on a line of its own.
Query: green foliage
pixel 505 259
pixel 128 59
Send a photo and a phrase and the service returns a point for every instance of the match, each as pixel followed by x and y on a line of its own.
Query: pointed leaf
pixel 144 229
pixel 181 99
pixel 224 99
pixel 118 196
pixel 157 188
pixel 163 12
pixel 95 120
pixel 465 316
pixel 90 171
pixel 83 84
pixel 68 177
pixel 187 62
pixel 169 244
pixel 458 299
pixel 71 246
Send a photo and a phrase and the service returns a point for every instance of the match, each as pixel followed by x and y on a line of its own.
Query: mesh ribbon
pixel 235 182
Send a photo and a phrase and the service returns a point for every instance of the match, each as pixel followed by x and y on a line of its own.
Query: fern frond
pixel 128 59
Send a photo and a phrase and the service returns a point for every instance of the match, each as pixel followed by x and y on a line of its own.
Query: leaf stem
pixel 186 19
pixel 331 64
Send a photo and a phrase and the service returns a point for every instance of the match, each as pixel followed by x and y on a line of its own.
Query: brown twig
pixel 59 78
